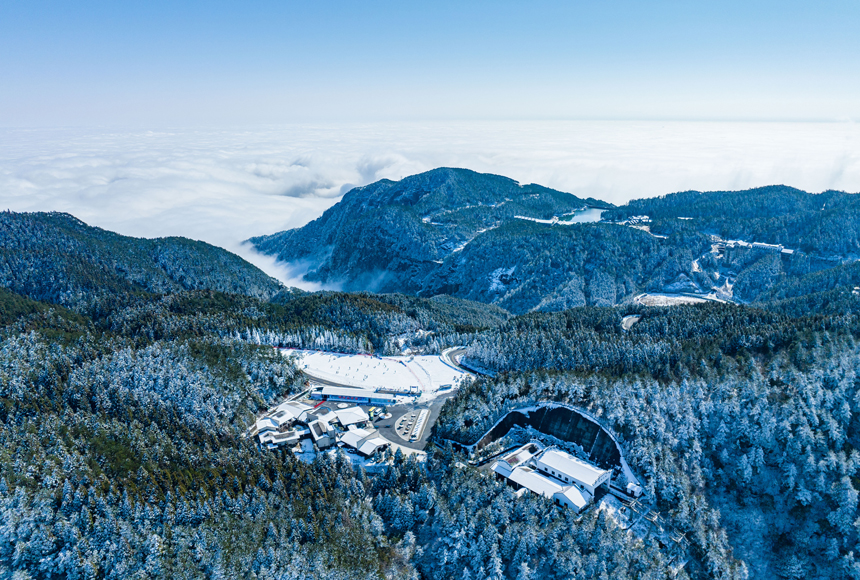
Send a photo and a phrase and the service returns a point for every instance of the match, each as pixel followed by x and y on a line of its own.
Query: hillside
pixel 55 257
pixel 124 426
pixel 481 237
pixel 486 238
pixel 823 224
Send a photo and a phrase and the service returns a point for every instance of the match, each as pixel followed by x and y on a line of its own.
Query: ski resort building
pixel 351 416
pixel 365 442
pixel 322 433
pixel 349 395
pixel 567 468
pixel 555 474
pixel 289 423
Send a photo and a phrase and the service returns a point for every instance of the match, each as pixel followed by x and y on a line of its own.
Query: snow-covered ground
pixel 427 373
pixel 585 215
pixel 672 299
pixel 628 321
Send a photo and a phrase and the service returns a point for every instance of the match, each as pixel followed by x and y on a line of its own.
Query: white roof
pixel 347 392
pixel 371 445
pixel 577 497
pixel 318 429
pixel 267 423
pixel 522 455
pixel 353 437
pixel 351 416
pixel 531 479
pixel 325 417
pixel 569 465
pixel 278 438
pixel 292 409
pixel 280 418
pixel 502 468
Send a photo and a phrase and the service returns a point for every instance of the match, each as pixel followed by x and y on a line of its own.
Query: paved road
pixel 452 356
pixel 386 427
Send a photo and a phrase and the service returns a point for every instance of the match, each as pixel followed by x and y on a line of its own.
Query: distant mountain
pixel 55 257
pixel 823 224
pixel 400 229
pixel 769 243
pixel 482 237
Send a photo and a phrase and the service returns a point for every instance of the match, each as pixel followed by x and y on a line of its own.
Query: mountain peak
pixel 392 235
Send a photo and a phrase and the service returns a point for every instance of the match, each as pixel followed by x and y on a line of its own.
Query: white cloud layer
pixel 224 186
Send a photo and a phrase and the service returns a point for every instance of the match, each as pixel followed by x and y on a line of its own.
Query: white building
pixel 264 425
pixel 567 468
pixel 290 422
pixel 322 433
pixel 363 441
pixel 552 473
pixel 351 416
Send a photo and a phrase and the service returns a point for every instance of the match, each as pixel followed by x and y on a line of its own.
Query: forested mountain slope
pixel 824 224
pixel 122 448
pixel 125 430
pixel 57 258
pixel 744 421
pixel 122 455
pixel 481 237
pixel 488 239
pixel 403 227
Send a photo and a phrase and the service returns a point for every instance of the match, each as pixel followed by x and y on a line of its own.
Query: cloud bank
pixel 224 186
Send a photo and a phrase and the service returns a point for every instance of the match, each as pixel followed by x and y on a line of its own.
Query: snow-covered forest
pixel 123 415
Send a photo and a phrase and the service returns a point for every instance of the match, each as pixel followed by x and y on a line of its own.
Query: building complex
pixel 555 474
pixel 290 422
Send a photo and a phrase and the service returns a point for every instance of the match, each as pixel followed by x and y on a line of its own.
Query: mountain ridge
pixel 56 257
pixel 459 232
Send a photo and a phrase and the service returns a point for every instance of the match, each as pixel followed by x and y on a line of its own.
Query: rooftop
pixel 577 497
pixel 371 445
pixel 353 437
pixel 571 466
pixel 267 423
pixel 351 416
pixel 521 455
pixel 348 392
pixel 531 479
pixel 292 409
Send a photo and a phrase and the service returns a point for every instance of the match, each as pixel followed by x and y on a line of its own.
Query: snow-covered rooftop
pixel 353 437
pixel 569 465
pixel 351 416
pixel 578 497
pixel 534 481
pixel 370 446
pixel 502 467
pixel 267 423
pixel 292 408
pixel 352 392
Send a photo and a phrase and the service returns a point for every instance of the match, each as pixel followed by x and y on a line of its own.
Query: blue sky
pixel 218 63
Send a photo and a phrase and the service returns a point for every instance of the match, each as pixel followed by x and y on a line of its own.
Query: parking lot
pixel 399 427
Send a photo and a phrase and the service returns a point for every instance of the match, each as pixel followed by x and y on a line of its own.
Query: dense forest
pixel 124 410
pixel 826 224
pixel 487 238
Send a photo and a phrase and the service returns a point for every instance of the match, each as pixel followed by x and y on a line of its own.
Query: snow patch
pixel 497 282
pixel 424 375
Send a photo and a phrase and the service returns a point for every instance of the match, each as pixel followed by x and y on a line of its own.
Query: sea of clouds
pixel 224 186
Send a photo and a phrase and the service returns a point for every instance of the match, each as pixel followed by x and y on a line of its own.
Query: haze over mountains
pixel 487 238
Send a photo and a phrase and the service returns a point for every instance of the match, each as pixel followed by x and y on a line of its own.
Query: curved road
pixel 451 357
